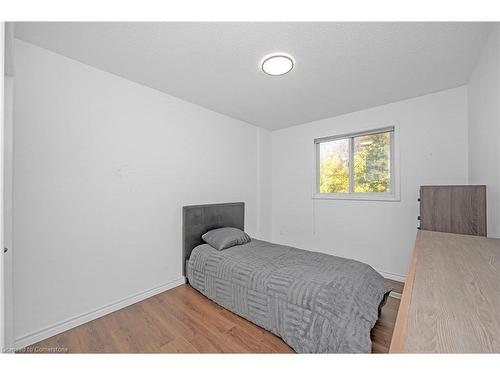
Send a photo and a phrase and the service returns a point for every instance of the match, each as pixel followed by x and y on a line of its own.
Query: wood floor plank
pixel 198 308
pixel 381 333
pixel 182 320
pixel 396 286
pixel 204 340
pixel 179 345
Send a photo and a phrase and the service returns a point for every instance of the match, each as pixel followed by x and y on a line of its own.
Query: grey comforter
pixel 317 303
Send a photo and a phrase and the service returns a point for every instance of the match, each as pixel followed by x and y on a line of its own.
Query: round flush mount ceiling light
pixel 277 64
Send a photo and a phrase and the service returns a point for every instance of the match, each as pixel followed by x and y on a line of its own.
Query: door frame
pixel 2 282
pixel 6 164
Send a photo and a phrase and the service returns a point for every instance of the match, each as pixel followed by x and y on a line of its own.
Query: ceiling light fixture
pixel 277 64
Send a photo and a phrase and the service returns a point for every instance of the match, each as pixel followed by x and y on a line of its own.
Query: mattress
pixel 317 303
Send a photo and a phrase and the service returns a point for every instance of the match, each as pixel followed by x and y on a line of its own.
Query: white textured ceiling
pixel 339 67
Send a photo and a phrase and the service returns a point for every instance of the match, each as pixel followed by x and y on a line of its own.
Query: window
pixel 356 166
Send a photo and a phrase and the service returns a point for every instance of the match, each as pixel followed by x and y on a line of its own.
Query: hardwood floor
pixel 382 331
pixel 396 286
pixel 181 320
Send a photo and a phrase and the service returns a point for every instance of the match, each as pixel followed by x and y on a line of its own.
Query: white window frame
pixel 392 195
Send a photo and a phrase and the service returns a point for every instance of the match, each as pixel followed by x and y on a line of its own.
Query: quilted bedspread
pixel 317 303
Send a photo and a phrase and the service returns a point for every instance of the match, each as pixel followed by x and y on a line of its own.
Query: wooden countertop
pixel 451 300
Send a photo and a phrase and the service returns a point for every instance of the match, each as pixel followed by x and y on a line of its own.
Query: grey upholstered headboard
pixel 197 220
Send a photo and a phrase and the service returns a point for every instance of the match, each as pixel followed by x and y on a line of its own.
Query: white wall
pixel 102 169
pixel 484 127
pixel 432 141
pixel 265 184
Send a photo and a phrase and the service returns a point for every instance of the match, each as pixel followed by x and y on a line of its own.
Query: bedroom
pixel 335 151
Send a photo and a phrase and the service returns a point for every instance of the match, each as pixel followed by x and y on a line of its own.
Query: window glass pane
pixel 334 166
pixel 372 158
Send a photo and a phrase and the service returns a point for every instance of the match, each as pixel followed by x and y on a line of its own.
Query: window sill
pixel 357 197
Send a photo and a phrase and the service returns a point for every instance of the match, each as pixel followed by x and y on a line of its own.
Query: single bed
pixel 317 303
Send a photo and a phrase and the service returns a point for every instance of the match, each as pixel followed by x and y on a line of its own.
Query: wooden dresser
pixel 453 209
pixel 451 299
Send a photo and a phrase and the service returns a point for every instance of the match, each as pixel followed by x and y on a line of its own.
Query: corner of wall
pixel 483 133
pixel 264 184
pixel 467 136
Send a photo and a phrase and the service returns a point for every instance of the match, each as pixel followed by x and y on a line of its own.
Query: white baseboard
pixel 57 328
pixel 393 276
pixel 394 294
